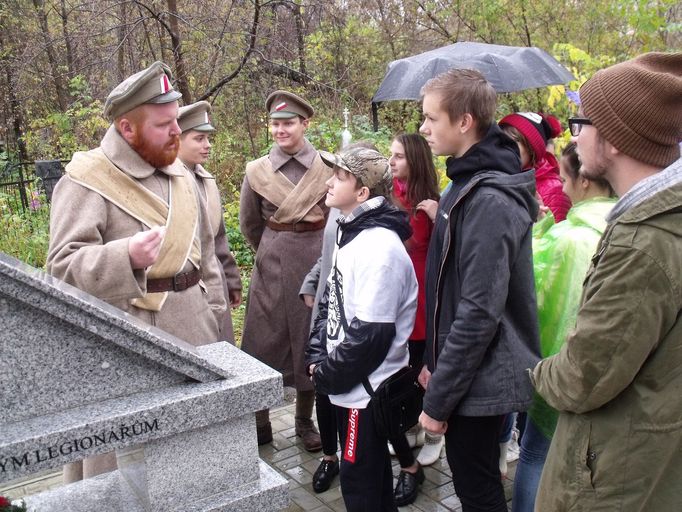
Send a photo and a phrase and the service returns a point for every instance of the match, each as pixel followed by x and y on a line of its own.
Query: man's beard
pixel 598 164
pixel 154 156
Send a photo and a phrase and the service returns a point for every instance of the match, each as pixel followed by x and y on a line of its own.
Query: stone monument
pixel 80 377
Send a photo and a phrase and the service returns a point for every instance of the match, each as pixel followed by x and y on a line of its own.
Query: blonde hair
pixel 465 91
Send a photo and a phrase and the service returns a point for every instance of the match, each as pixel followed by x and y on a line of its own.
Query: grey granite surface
pixel 110 493
pixel 175 409
pixel 59 303
pixel 54 366
pixel 82 378
pixel 200 462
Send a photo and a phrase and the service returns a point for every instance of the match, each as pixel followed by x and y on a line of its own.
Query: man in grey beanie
pixel 617 379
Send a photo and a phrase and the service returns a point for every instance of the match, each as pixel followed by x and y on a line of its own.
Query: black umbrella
pixel 507 68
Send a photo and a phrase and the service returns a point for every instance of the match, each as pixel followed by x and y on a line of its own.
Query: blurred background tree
pixel 60 58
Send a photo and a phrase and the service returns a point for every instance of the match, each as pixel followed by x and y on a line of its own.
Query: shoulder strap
pixel 93 170
pixel 301 203
pixel 265 181
pixel 295 203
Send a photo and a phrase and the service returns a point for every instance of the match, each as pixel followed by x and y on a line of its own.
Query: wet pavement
pixel 287 455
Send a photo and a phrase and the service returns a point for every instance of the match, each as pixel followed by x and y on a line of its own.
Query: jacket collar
pixel 305 156
pixel 651 196
pixel 200 171
pixel 129 161
pixel 375 212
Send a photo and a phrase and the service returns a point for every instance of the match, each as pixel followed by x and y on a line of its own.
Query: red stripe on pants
pixel 351 435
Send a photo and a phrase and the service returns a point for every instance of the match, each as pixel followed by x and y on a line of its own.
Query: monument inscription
pixel 83 444
pixel 82 378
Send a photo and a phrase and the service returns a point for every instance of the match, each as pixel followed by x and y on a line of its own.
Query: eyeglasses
pixel 575 124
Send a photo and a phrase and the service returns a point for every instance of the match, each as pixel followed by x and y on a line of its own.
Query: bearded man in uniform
pixel 128 226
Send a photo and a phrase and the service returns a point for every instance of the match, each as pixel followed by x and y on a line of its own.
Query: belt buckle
pixel 177 278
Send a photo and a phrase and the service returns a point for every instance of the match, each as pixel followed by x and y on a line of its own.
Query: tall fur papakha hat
pixel 151 85
pixel 637 106
pixel 367 165
pixel 285 105
pixel 195 117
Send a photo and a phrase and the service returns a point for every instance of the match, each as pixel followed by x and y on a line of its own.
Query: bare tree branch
pixel 250 48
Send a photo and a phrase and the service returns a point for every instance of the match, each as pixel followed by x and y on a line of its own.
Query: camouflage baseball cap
pixel 151 85
pixel 367 165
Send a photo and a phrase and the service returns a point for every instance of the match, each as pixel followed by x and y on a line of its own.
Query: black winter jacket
pixel 366 344
pixel 482 330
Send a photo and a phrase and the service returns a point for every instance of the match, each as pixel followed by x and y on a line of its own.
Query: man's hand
pixel 309 300
pixel 235 298
pixel 144 247
pixel 424 377
pixel 311 370
pixel 432 426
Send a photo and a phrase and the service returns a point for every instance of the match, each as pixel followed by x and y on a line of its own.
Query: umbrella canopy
pixel 507 68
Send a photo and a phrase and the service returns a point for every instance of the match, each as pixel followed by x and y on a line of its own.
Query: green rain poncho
pixel 561 258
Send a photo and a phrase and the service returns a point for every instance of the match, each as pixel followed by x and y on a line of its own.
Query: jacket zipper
pixel 444 255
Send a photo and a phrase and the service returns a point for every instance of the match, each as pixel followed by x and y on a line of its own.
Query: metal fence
pixel 20 182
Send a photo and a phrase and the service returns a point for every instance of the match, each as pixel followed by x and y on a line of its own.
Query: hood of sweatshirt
pixel 384 214
pixel 498 153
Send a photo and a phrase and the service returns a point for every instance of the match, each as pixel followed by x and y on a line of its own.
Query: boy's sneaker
pixel 513 450
pixel 414 436
pixel 433 446
pixel 504 447
pixel 324 474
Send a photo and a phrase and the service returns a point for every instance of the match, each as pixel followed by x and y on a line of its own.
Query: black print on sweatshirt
pixel 334 324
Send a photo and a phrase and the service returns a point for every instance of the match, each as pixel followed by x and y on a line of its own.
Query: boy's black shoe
pixel 408 486
pixel 324 474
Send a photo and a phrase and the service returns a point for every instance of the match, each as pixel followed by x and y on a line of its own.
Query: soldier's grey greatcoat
pixel 230 271
pixel 277 322
pixel 89 249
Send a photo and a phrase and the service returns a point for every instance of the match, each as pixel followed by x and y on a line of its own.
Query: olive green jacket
pixel 617 381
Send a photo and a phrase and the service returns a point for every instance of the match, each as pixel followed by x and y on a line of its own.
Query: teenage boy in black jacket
pixel 482 331
pixel 365 319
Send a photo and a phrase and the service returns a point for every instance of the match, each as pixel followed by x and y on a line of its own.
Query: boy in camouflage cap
pixel 361 331
pixel 370 168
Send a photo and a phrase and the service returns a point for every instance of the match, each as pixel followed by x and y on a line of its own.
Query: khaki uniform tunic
pixel 277 322
pixel 89 249
pixel 230 276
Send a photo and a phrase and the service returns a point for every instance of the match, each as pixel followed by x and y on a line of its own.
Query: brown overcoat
pixel 230 271
pixel 89 249
pixel 277 322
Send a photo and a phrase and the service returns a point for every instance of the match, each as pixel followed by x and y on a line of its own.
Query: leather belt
pixel 176 283
pixel 296 227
